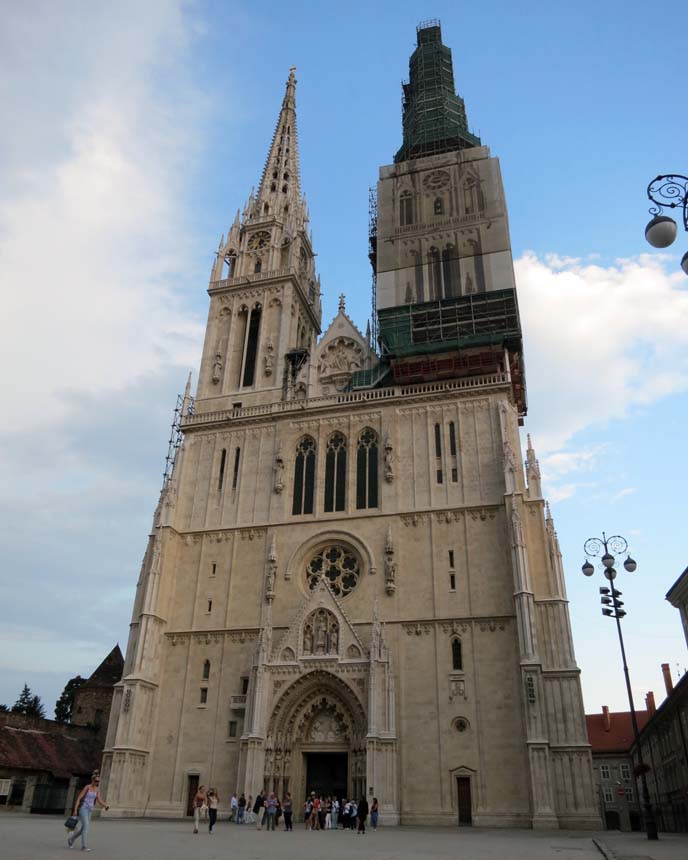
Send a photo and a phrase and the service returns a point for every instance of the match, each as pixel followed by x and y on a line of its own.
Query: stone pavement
pixel 35 837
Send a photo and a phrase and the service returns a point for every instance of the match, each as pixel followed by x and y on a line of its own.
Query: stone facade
pixel 361 574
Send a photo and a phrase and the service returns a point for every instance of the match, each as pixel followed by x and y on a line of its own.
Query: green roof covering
pixel 434 116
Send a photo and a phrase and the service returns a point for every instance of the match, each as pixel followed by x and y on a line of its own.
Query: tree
pixel 65 704
pixel 4 709
pixel 28 704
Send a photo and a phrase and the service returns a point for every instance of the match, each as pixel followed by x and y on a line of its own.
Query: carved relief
pixel 457 689
pixel 338 360
pixel 389 460
pixel 321 633
pixel 269 358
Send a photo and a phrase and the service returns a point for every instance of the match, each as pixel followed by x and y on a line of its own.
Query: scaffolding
pixel 372 256
pixel 184 407
pixel 433 116
pixel 478 319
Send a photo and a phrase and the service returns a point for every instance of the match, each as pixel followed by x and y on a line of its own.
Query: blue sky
pixel 133 132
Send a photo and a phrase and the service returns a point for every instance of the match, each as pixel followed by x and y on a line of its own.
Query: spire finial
pixel 342 302
pixel 548 513
pixel 530 444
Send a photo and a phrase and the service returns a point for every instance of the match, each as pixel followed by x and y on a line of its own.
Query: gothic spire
pixel 434 115
pixel 280 184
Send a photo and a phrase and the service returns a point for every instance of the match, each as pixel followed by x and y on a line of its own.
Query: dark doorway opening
pixel 463 788
pixel 636 823
pixel 193 788
pixel 327 774
pixel 612 820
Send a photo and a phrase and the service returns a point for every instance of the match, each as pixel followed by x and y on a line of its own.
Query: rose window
pixel 338 566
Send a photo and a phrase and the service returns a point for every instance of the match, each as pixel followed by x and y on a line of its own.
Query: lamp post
pixel 667 192
pixel 604 548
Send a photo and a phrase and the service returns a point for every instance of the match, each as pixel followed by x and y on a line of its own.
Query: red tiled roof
pixel 620 735
pixel 30 749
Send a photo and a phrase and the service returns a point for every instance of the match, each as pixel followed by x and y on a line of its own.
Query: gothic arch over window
pixel 367 469
pixel 304 476
pixel 405 208
pixel 457 657
pixel 335 473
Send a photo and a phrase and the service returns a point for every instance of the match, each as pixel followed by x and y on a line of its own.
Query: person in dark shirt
pixel 362 814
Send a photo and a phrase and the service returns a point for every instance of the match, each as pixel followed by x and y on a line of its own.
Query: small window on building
pixel 629 793
pixel 455 474
pixel 451 558
pixel 438 440
pixel 244 686
pixel 452 439
pixel 206 670
pixel 223 461
pixel 210 605
pixel 608 795
pixel 213 569
pixel 405 208
pixel 625 771
pixel 440 478
pixel 204 695
pixel 232 729
pixel 604 771
pixel 452 582
pixel 235 475
pixel 457 659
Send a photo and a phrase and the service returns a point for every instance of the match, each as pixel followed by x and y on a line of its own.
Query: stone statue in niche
pixel 217 368
pixel 334 639
pixel 270 578
pixel 269 359
pixel 308 639
pixel 321 635
pixel 389 461
pixel 390 574
pixel 517 529
pixel 278 471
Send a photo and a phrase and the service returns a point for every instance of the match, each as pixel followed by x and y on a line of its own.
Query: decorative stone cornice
pixel 482 512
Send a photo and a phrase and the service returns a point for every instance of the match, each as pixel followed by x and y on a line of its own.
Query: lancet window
pixel 367 469
pixel 335 473
pixel 457 658
pixel 251 345
pixel 304 476
pixel 405 208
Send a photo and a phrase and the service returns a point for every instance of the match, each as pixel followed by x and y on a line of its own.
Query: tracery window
pixel 366 469
pixel 338 565
pixel 405 208
pixel 304 476
pixel 335 473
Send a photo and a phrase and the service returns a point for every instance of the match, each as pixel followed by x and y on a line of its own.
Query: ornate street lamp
pixel 667 192
pixel 604 549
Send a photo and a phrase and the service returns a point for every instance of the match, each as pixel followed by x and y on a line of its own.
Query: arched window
pixel 266 209
pixel 366 469
pixel 335 473
pixel 457 661
pixel 405 208
pixel 251 345
pixel 206 670
pixel 435 269
pixel 284 254
pixel 273 187
pixel 438 206
pixel 304 476
pixel 258 266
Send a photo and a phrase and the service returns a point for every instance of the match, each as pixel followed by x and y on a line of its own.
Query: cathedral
pixel 353 584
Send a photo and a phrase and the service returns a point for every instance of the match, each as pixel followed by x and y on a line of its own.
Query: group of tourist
pixel 319 813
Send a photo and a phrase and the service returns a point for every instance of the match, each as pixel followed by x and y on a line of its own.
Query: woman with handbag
pixel 83 807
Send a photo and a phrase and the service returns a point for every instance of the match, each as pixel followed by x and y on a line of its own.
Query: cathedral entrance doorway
pixel 327 774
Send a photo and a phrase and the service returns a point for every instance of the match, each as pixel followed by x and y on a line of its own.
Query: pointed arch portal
pixel 316 739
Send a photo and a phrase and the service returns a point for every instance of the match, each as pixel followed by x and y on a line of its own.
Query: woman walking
pixel 83 807
pixel 288 808
pixel 213 800
pixel 199 803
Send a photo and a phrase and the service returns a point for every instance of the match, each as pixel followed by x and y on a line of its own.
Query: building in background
pixel 352 585
pixel 93 699
pixel 43 764
pixel 611 739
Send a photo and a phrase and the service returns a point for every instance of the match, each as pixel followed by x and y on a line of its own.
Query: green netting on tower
pixel 434 116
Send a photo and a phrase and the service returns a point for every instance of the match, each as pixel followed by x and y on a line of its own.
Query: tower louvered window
pixel 251 346
pixel 366 469
pixel 335 473
pixel 304 476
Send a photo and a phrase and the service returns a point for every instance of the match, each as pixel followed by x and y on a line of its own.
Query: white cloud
pixel 627 491
pixel 599 341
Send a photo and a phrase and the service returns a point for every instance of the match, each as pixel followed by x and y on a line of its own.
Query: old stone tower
pixel 352 585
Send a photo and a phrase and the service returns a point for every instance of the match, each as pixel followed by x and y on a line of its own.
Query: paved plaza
pixel 43 838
